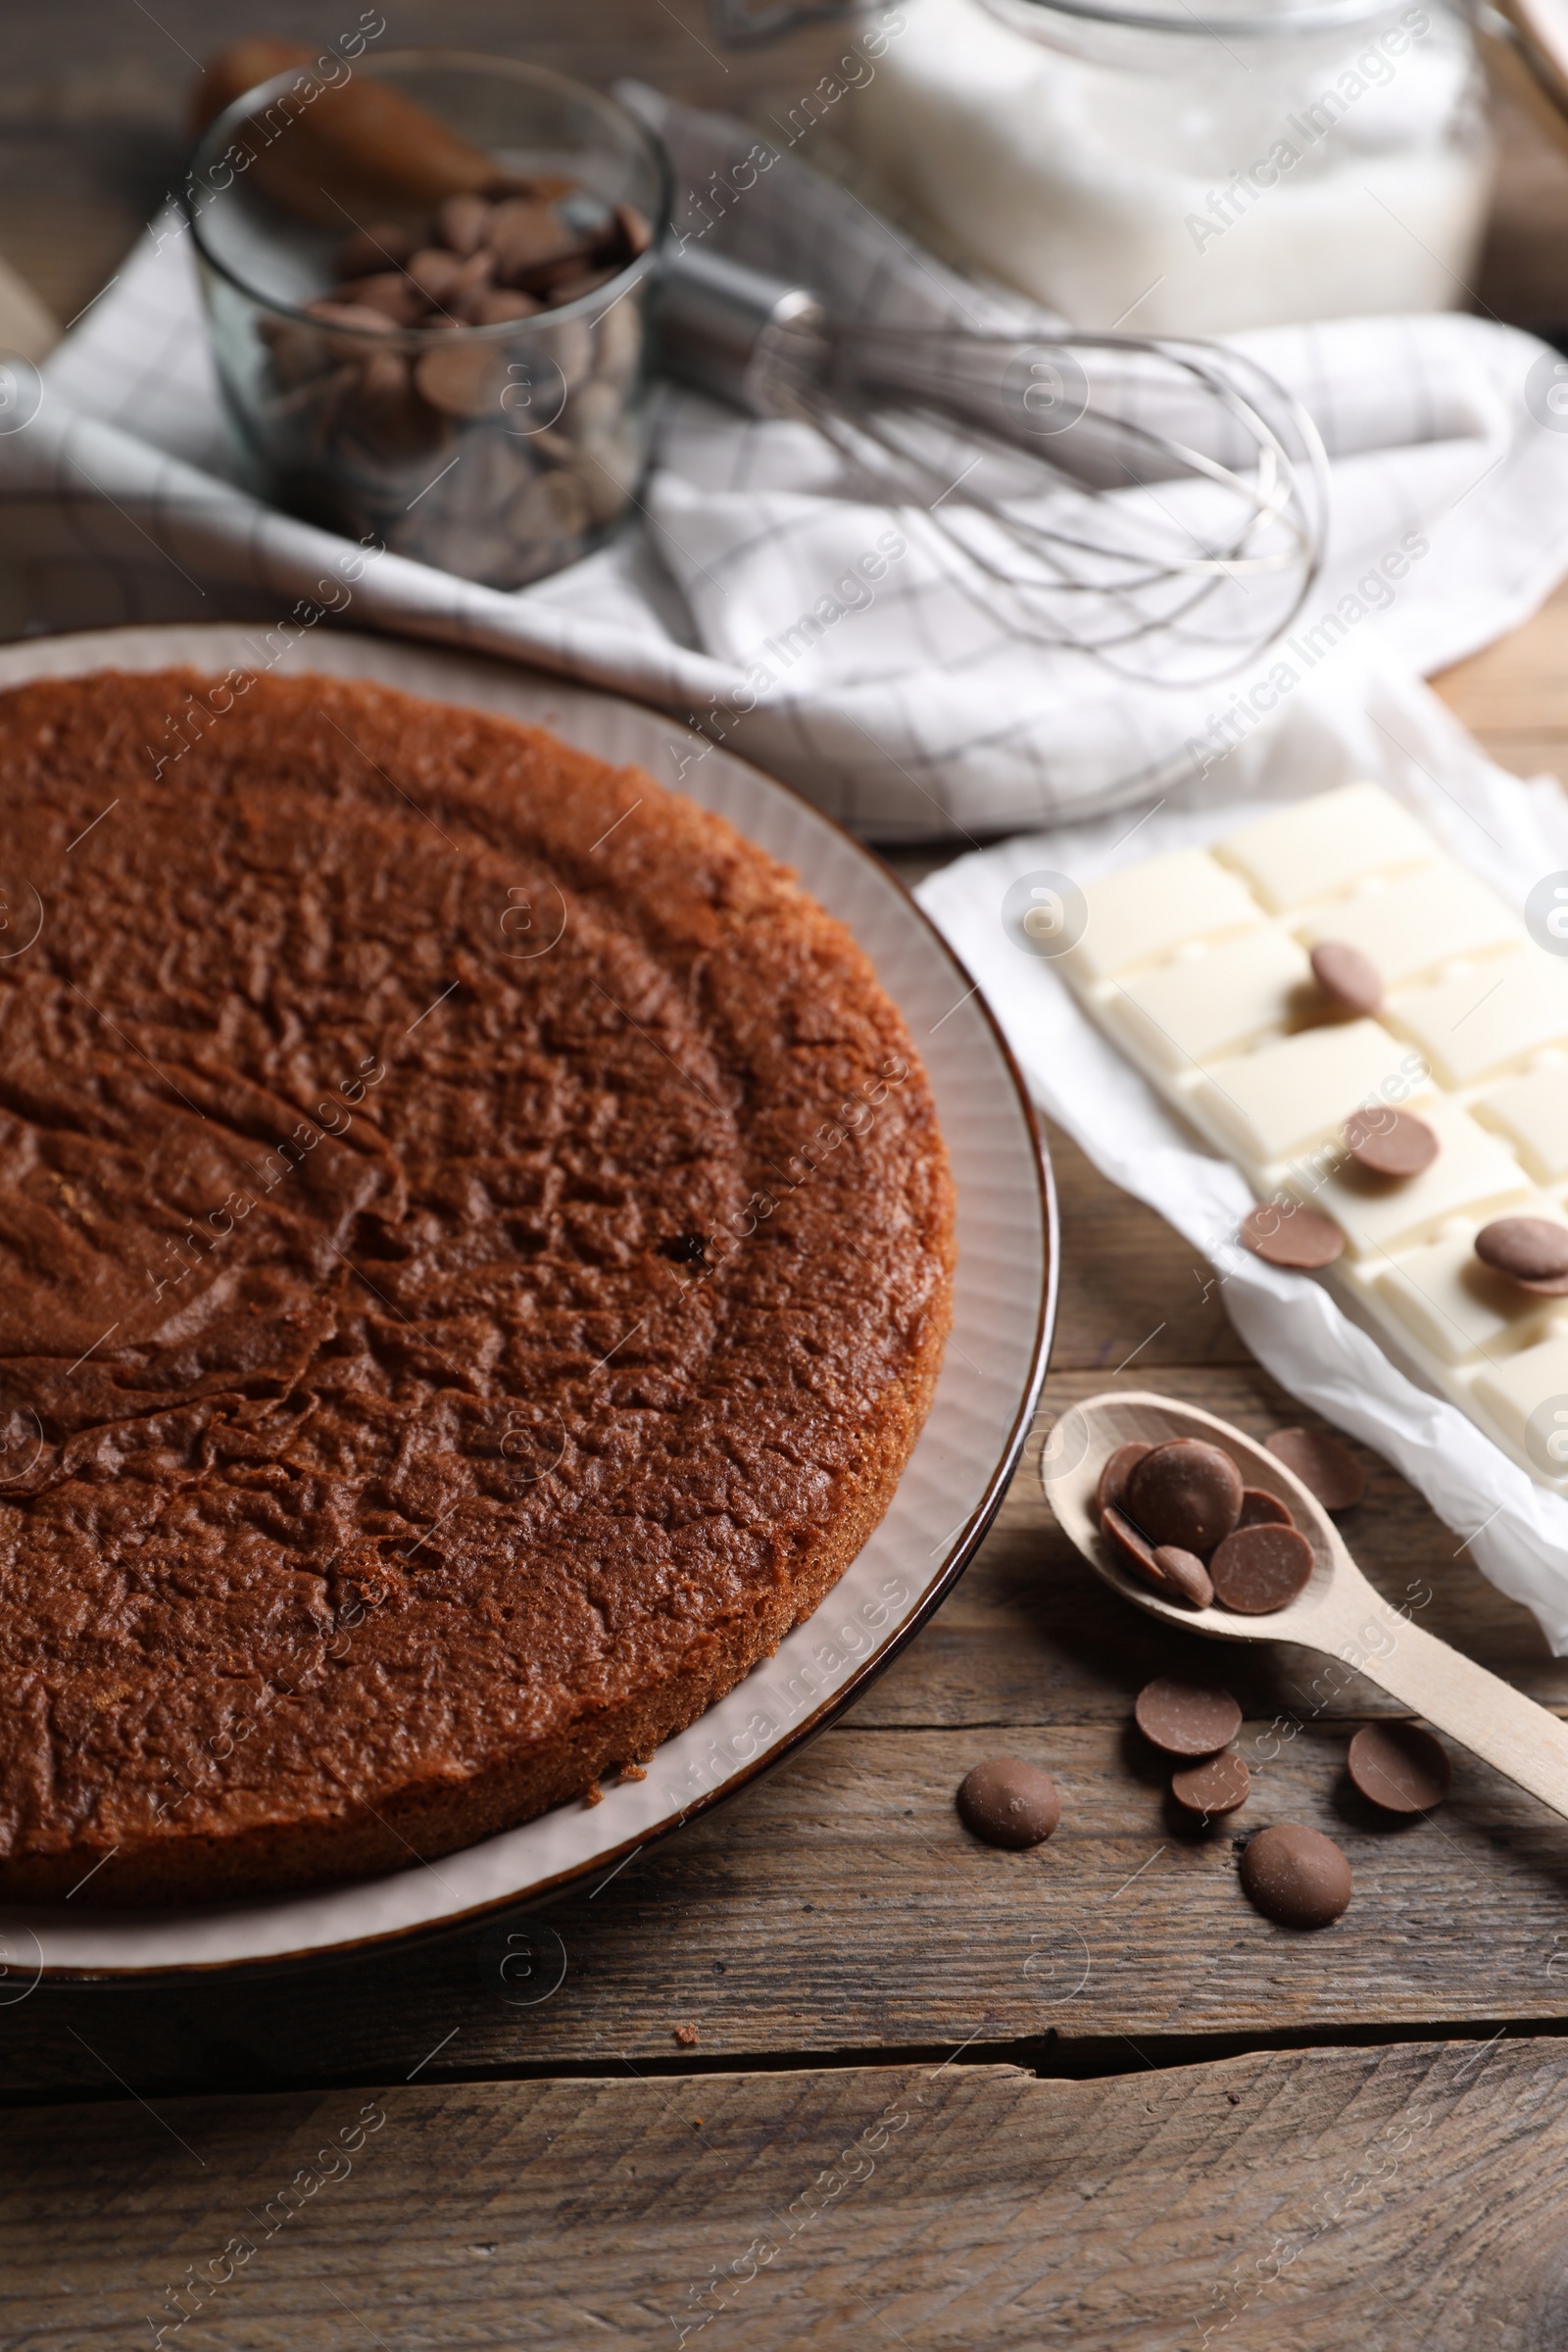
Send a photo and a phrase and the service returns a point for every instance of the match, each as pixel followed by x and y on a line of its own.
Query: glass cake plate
pixel 1004 1306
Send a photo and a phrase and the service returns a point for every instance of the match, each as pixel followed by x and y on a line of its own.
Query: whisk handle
pixel 735 332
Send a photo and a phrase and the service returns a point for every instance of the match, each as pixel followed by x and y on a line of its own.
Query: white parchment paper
pixel 1507 831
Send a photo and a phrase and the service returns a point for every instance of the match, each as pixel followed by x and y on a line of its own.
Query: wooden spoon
pixel 1338 1613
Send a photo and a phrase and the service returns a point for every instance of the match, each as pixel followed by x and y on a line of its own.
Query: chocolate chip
pixel 526 237
pixel 1187 1719
pixel 1185 1574
pixel 1119 1466
pixel 497 304
pixel 1531 1251
pixel 1324 1464
pixel 634 228
pixel 1132 1550
pixel 381 246
pixel 435 271
pixel 1296 1877
pixel 1347 976
pixel 1186 1492
pixel 1258 1569
pixel 1284 1234
pixel 388 290
pixel 1390 1143
pixel 1400 1767
pixel 1220 1783
pixel 1007 1802
pixel 462 222
pixel 462 380
pixel 1260 1508
pixel 357 315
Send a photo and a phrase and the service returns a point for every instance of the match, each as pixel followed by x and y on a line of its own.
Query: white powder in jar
pixel 1183 183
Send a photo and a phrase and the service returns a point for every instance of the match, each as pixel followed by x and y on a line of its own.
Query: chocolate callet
pixel 1006 1802
pixel 1295 1875
pixel 1187 1719
pixel 1258 1569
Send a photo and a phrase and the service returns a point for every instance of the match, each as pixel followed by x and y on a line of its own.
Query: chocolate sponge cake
pixel 475 1253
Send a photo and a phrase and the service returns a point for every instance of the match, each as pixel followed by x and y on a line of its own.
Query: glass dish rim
pixel 1030 17
pixel 392 338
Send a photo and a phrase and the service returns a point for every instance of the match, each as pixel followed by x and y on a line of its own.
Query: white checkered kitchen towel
pixel 909 715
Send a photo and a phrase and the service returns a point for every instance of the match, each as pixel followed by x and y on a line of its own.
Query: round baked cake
pixel 475 1253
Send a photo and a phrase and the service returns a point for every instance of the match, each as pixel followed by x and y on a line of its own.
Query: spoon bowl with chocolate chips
pixel 1167 1503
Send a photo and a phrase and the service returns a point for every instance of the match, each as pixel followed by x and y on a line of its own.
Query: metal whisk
pixel 1157 504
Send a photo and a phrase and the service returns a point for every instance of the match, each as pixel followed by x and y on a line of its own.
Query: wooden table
pixel 939 2096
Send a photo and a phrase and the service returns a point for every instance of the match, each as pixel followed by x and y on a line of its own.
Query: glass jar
pixel 1166 168
pixel 498 452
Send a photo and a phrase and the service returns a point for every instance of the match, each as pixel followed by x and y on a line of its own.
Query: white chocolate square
pixel 1216 1002
pixel 1323 845
pixel 1472 1173
pixel 1524 1386
pixel 1532 1111
pixel 1268 1104
pixel 1449 1303
pixel 1491 1019
pixel 1143 912
pixel 1416 923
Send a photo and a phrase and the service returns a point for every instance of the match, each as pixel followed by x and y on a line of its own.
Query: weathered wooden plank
pixel 1311 2200
pixel 840 1906
pixel 1516 687
pixel 1130 1285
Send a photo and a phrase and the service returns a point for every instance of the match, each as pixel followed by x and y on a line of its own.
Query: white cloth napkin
pixel 909 716
pixel 1510 833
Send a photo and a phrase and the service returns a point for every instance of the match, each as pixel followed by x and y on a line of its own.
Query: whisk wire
pixel 1156 504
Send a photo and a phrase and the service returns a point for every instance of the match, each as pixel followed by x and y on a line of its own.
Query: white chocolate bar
pixel 1448 1302
pixel 1265 1105
pixel 1493 1017
pixel 1532 1113
pixel 1209 1003
pixel 1197 966
pixel 1143 912
pixel 1525 1397
pixel 1315 846
pixel 1413 926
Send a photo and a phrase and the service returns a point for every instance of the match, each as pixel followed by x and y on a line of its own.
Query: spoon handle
pixel 1486 1714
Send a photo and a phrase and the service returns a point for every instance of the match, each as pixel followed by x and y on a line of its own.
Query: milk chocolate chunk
pixel 1220 1783
pixel 1324 1464
pixel 1260 1508
pixel 1301 1239
pixel 1111 1491
pixel 435 271
pixel 1258 1569
pixel 1186 1492
pixel 1187 1719
pixel 462 222
pixel 1185 1574
pixel 1009 1802
pixel 1295 1875
pixel 1132 1548
pixel 388 290
pixel 381 246
pixel 1400 1767
pixel 1531 1251
pixel 1347 976
pixel 1390 1143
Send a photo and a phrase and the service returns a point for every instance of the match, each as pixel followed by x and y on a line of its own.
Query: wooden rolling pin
pixel 340 141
